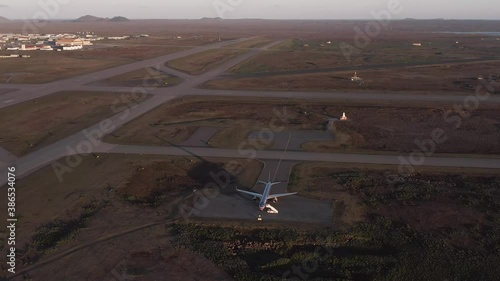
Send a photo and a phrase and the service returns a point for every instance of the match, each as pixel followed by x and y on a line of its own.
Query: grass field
pixel 45 120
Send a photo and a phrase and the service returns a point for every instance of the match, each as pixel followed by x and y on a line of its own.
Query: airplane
pixel 265 195
pixel 267 190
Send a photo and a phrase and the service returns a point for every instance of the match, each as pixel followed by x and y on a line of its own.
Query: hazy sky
pixel 272 9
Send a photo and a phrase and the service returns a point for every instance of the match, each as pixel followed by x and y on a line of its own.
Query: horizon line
pixel 277 19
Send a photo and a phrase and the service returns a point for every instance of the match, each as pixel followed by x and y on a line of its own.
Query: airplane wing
pixel 250 193
pixel 280 195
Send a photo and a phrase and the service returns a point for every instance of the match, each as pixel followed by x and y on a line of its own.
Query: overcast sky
pixel 269 9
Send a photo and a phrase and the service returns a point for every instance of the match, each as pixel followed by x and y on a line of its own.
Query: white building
pixel 69 42
pixel 72 48
pixel 117 37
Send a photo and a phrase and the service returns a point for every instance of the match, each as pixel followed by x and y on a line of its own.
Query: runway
pixel 79 143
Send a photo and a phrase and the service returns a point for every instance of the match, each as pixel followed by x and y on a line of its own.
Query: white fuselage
pixel 265 195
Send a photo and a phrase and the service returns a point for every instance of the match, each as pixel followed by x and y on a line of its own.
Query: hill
pixel 205 18
pixel 89 18
pixel 119 19
pixel 2 19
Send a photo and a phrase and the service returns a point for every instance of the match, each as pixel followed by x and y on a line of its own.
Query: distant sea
pixel 472 33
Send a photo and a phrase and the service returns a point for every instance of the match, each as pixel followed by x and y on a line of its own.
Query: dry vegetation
pixel 124 192
pixel 429 199
pixel 377 128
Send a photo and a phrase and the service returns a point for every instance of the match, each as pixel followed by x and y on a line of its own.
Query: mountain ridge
pixel 90 18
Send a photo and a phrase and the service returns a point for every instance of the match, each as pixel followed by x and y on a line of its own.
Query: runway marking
pixel 8 101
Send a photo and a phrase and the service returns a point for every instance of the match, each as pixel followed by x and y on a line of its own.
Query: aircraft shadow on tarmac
pixel 230 204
